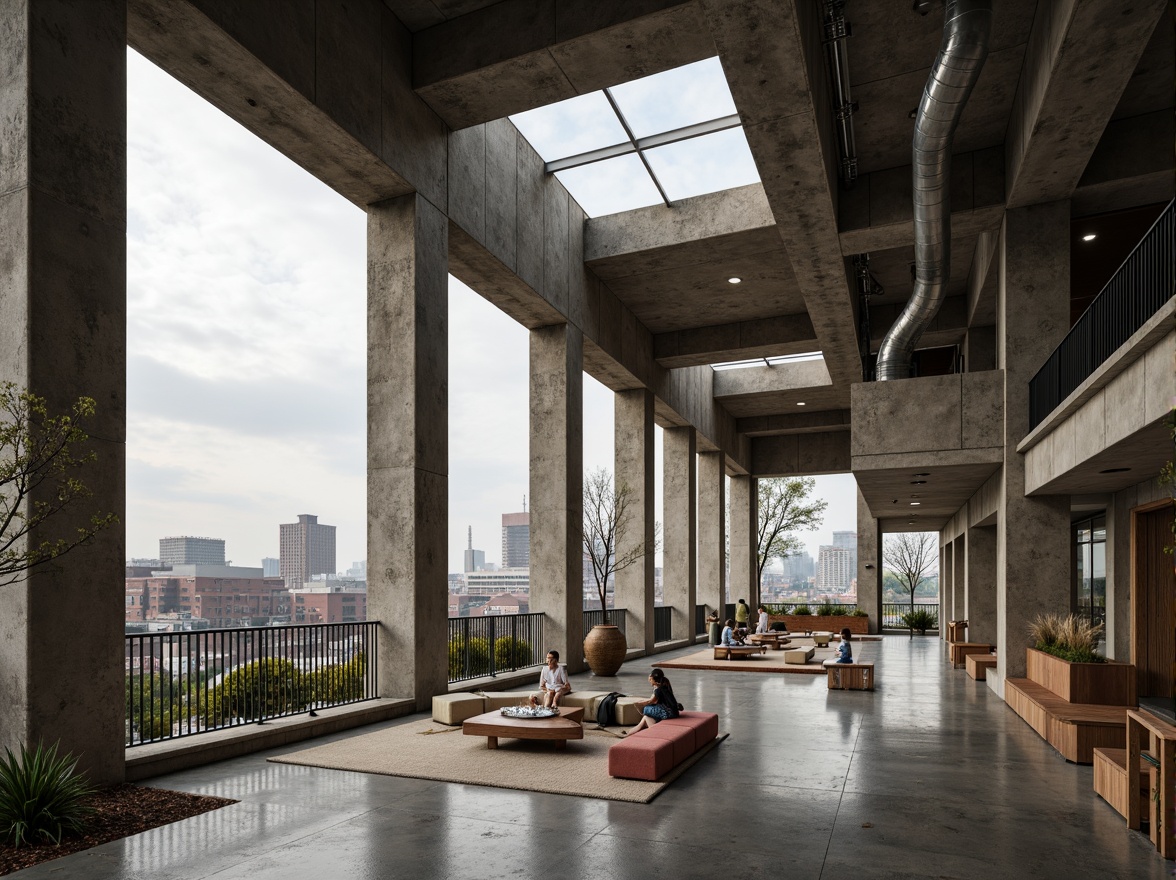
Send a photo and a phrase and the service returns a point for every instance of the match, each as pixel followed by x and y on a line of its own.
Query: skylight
pixel 768 361
pixel 655 140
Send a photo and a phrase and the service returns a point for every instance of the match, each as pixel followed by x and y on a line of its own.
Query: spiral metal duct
pixel 966 26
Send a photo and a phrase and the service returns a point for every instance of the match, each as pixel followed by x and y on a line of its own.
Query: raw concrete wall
pixel 744 539
pixel 680 515
pixel 633 454
pixel 712 529
pixel 63 335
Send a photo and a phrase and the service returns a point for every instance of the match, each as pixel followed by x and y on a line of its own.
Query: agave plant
pixel 42 796
pixel 920 619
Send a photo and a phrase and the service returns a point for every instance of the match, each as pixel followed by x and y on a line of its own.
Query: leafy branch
pixel 38 463
pixel 784 507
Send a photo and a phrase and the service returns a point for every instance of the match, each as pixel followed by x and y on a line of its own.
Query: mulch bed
pixel 121 810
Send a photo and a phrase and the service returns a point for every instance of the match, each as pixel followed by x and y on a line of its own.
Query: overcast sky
pixel 246 327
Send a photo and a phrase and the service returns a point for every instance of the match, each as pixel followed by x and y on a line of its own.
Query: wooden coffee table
pixel 559 730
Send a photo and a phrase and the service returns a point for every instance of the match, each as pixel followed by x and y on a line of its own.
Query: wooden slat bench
pixel 979 664
pixel 960 650
pixel 730 652
pixel 1074 729
pixel 1110 780
pixel 850 676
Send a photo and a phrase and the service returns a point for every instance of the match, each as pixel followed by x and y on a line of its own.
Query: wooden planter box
pixel 859 626
pixel 1105 684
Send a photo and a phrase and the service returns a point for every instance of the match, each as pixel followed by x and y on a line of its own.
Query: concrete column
pixel 1118 628
pixel 744 540
pixel 980 349
pixel 633 455
pixel 680 544
pixel 408 448
pixel 557 488
pixel 712 537
pixel 958 580
pixel 1033 534
pixel 869 564
pixel 946 603
pixel 980 583
pixel 63 335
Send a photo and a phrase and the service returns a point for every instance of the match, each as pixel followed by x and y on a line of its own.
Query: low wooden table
pixel 730 652
pixel 776 640
pixel 559 730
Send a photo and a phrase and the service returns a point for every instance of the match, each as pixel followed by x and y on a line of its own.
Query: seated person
pixel 730 635
pixel 662 705
pixel 845 650
pixel 553 683
pixel 762 625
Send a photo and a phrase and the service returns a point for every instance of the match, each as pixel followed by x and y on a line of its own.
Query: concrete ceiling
pixel 1143 454
pixel 889 492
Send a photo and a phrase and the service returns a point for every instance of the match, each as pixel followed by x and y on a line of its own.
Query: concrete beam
pixel 878 213
pixel 1131 166
pixel 800 454
pixel 519 54
pixel 1079 59
pixel 407 450
pixel 63 320
pixel 771 337
pixel 795 423
pixel 326 84
pixel 749 381
pixel 789 130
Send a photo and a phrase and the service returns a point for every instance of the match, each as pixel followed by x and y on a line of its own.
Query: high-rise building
pixel 186 550
pixel 848 540
pixel 307 548
pixel 799 567
pixel 835 568
pixel 475 560
pixel 271 567
pixel 516 540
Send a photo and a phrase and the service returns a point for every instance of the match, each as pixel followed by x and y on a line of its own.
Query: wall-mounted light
pixel 1089 237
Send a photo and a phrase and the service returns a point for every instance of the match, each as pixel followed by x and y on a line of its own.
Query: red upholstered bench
pixel 652 753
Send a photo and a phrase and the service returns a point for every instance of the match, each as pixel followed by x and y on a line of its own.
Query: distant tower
pixel 475 560
pixel 307 548
pixel 516 540
pixel 186 550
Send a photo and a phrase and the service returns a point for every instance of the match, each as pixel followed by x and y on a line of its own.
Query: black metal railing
pixel 700 620
pixel 892 613
pixel 183 683
pixel 1145 281
pixel 486 646
pixel 593 617
pixel 662 627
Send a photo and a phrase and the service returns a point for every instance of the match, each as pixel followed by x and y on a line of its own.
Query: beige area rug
pixel 772 661
pixel 428 750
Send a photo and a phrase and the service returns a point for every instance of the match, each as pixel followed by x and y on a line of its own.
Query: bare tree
pixel 784 508
pixel 909 556
pixel 607 516
pixel 38 467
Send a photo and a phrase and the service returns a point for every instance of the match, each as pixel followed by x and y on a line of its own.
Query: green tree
pixel 259 689
pixel 784 508
pixel 39 461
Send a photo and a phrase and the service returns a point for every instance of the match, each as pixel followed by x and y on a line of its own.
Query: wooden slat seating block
pixel 979 664
pixel 1153 739
pixel 730 652
pixel 1110 780
pixel 959 650
pixel 850 676
pixel 1074 729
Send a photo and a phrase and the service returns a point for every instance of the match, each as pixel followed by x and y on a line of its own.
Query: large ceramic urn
pixel 604 649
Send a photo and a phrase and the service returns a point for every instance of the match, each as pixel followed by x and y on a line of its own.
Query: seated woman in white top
pixel 762 626
pixel 553 682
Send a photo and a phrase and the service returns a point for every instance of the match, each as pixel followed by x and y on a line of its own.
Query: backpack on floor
pixel 606 710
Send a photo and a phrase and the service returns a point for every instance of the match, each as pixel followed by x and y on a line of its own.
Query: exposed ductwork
pixel 966 27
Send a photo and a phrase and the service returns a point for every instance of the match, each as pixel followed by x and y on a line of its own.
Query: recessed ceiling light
pixel 800 403
pixel 1115 470
pixel 1089 237
pixel 918 482
pixel 914 496
pixel 915 503
pixel 734 280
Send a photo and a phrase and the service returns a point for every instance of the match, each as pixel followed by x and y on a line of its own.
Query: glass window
pixel 619 184
pixel 675 98
pixel 577 125
pixel 704 164
pixel 1090 569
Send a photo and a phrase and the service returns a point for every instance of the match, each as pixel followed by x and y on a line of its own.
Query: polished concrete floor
pixel 930 776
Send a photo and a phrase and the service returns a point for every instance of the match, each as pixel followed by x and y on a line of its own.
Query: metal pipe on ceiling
pixel 837 31
pixel 966 27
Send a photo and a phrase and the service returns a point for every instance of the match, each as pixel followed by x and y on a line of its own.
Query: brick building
pixel 222 601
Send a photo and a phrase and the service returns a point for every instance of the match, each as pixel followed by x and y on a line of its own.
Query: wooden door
pixel 1153 599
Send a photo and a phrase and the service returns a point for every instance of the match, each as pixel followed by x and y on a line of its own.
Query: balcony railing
pixel 183 683
pixel 593 617
pixel 486 646
pixel 892 613
pixel 1145 281
pixel 662 628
